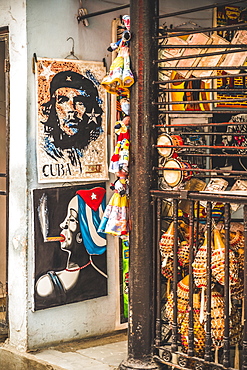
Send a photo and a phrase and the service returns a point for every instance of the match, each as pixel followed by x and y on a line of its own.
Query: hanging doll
pixel 120 158
pixel 120 76
pixel 115 218
pixel 123 106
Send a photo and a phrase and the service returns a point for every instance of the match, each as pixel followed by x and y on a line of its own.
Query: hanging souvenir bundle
pixel 120 76
pixel 199 332
pixel 115 220
pixel 218 261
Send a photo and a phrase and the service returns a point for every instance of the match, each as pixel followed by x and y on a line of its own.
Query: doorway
pixel 4 150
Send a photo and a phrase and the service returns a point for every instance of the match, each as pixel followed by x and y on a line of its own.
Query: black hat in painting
pixel 73 80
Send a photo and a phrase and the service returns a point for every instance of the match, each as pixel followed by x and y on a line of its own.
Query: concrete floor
pixel 104 353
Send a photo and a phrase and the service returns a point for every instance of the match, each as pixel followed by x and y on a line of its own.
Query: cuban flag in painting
pixel 91 206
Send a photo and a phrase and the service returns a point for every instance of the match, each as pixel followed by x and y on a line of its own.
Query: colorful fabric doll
pixel 116 215
pixel 120 158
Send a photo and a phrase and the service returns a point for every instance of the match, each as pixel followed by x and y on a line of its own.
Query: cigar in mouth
pixel 60 238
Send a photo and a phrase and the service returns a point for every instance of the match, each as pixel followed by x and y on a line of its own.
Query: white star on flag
pixel 92 116
pixel 47 72
pixel 93 196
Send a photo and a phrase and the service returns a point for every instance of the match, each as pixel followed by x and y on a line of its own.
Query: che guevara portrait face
pixel 74 115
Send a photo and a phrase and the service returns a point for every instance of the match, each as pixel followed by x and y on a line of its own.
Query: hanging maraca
pixel 199 332
pixel 218 261
pixel 199 267
pixel 182 301
pixel 166 244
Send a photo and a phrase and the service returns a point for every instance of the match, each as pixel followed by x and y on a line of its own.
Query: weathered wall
pixel 49 25
pixel 43 28
pixel 13 15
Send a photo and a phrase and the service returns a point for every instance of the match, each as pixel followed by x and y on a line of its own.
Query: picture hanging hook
pixel 72 53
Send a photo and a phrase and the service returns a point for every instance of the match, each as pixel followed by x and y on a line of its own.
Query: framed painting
pixel 70 254
pixel 71 121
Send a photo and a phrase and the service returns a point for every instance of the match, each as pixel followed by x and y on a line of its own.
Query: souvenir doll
pixel 120 158
pixel 115 218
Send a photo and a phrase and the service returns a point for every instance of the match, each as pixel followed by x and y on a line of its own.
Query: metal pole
pixel 85 16
pixel 143 116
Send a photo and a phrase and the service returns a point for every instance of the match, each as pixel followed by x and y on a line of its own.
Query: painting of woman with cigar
pixel 70 255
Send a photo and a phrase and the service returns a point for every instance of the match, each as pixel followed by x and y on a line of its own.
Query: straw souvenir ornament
pixel 236 240
pixel 217 321
pixel 235 332
pixel 218 261
pixel 166 244
pixel 237 290
pixel 182 301
pixel 199 267
pixel 199 332
pixel 184 253
pixel 167 270
pixel 183 227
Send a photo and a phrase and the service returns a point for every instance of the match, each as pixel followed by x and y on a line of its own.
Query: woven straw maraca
pixel 166 244
pixel 182 301
pixel 184 254
pixel 235 326
pixel 217 318
pixel 167 270
pixel 237 290
pixel 235 240
pixel 218 261
pixel 217 321
pixel 199 267
pixel 199 332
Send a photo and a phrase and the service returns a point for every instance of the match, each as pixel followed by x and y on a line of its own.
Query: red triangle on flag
pixel 92 197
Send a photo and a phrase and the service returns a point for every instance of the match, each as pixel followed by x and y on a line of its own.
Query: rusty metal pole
pixel 143 115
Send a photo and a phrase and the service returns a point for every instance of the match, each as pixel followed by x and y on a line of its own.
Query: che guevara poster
pixel 71 121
